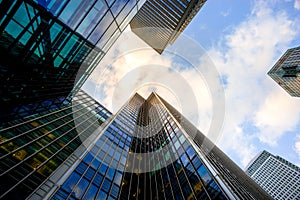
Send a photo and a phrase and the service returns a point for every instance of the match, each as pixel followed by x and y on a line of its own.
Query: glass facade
pixel 115 167
pixel 286 71
pixel 49 48
pixel 159 23
pixel 32 148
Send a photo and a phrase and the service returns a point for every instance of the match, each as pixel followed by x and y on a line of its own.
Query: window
pixel 89 174
pixel 80 188
pixel 106 185
pixel 100 29
pixel 91 193
pixel 103 169
pixel 203 173
pixel 71 182
pixel 110 173
pixel 118 178
pixel 98 179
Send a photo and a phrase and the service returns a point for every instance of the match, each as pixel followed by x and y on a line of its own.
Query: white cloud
pixel 226 13
pixel 251 50
pixel 297 4
pixel 297 146
pixel 278 114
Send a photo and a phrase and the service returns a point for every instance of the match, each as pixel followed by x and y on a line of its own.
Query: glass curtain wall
pixel 106 172
pixel 32 148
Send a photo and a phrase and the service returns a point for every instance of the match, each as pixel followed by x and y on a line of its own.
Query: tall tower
pixel 149 151
pixel 277 176
pixel 286 71
pixel 159 23
pixel 32 148
pixel 49 48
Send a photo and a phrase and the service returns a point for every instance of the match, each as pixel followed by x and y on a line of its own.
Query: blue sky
pixel 243 39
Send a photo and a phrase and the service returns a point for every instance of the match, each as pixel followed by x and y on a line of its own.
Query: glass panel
pixel 88 158
pixel 196 162
pixel 110 173
pixel 73 12
pixel 118 178
pixel 95 163
pixel 21 16
pixel 81 187
pixel 55 6
pixel 98 179
pixel 54 30
pixel 114 190
pixel 91 193
pixel 13 29
pixel 190 152
pixel 93 17
pixel 58 60
pixel 106 185
pixel 101 27
pixel 102 195
pixel 68 47
pixel 125 11
pixel 184 159
pixel 203 173
pixel 117 7
pixel 108 34
pixel 103 169
pixel 81 168
pixel 71 182
pixel 89 174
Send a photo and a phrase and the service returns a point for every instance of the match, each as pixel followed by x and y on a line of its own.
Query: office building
pixel 147 150
pixel 277 176
pixel 32 148
pixel 49 48
pixel 286 71
pixel 159 23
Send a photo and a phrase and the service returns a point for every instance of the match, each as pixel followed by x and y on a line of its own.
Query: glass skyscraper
pixel 277 176
pixel 159 23
pixel 33 147
pixel 286 71
pixel 146 151
pixel 48 48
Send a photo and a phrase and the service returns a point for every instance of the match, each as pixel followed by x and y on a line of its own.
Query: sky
pixel 225 92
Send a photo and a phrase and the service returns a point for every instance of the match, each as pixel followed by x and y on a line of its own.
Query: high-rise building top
pixel 147 151
pixel 159 23
pixel 277 176
pixel 286 71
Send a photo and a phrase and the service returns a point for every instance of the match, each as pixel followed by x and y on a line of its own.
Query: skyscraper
pixel 49 48
pixel 277 176
pixel 159 23
pixel 32 148
pixel 286 71
pixel 149 151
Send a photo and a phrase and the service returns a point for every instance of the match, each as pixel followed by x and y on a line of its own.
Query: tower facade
pixel 277 176
pixel 286 71
pixel 149 151
pixel 32 148
pixel 49 48
pixel 159 23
